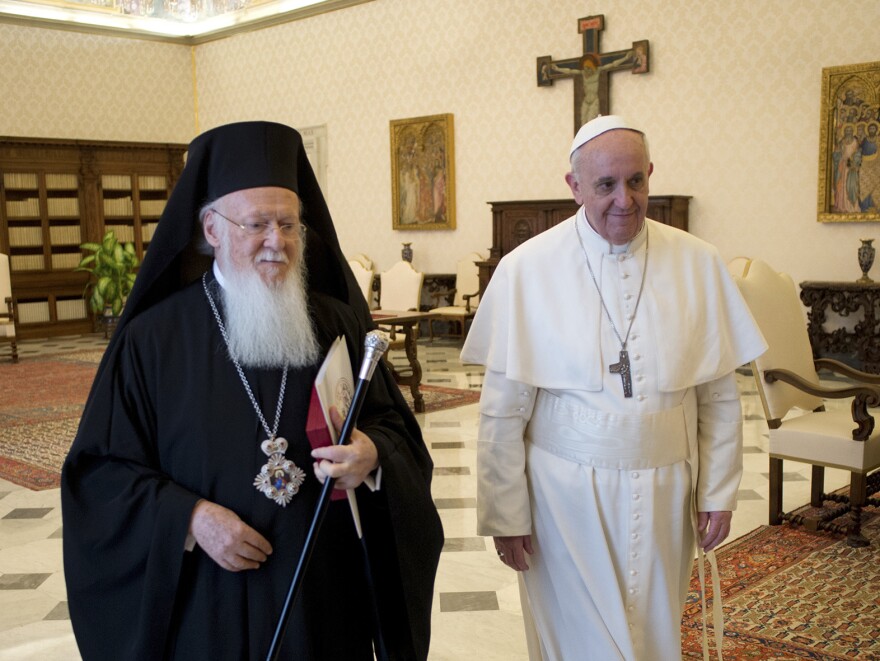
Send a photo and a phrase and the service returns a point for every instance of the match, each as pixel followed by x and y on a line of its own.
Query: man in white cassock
pixel 610 442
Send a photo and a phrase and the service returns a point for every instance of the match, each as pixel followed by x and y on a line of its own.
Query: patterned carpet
pixel 39 415
pixel 40 412
pixel 438 398
pixel 792 594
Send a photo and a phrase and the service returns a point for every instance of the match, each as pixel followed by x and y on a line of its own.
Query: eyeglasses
pixel 257 228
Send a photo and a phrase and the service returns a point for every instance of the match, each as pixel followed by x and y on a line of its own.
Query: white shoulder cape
pixel 537 320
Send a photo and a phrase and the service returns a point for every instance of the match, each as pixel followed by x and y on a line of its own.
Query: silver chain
pixel 622 340
pixel 270 432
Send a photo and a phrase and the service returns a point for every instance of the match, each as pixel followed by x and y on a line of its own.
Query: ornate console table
pixel 858 346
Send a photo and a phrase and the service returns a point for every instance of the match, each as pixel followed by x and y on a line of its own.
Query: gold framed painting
pixel 849 137
pixel 423 173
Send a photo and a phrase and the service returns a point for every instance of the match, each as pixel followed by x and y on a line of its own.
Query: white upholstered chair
pixel 363 260
pixel 362 267
pixel 7 308
pixel 400 288
pixel 800 427
pixel 466 295
pixel 737 266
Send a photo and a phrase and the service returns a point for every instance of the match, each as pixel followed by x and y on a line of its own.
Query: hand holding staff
pixel 375 345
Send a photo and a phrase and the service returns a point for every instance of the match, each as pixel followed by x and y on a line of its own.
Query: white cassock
pixel 609 486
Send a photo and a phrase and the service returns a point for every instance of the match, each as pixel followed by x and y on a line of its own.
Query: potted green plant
pixel 112 266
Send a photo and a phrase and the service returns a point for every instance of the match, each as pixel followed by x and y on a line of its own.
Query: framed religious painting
pixel 849 138
pixel 422 173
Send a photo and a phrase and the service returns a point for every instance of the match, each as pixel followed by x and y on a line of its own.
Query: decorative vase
pixel 407 253
pixel 866 258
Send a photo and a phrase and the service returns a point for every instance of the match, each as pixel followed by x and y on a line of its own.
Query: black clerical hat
pixel 246 155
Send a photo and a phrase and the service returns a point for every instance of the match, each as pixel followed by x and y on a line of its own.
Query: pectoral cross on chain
pixel 622 367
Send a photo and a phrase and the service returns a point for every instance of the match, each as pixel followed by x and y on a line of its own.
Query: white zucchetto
pixel 598 126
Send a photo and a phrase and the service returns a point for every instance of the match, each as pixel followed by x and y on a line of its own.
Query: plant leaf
pixel 103 283
pixel 97 301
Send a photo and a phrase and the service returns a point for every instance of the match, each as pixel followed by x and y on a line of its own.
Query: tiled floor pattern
pixel 477 613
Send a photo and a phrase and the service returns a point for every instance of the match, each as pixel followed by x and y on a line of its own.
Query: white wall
pixel 731 106
pixel 60 84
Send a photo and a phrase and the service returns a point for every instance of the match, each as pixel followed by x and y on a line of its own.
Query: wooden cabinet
pixel 57 194
pixel 515 222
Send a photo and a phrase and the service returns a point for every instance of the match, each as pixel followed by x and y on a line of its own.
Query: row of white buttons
pixel 635 535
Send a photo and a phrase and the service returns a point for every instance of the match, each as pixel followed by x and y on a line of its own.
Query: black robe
pixel 169 422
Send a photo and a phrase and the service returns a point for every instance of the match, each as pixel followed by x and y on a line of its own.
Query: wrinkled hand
pixel 228 540
pixel 350 463
pixel 512 550
pixel 714 527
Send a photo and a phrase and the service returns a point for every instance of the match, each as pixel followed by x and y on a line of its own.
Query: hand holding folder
pixel 334 386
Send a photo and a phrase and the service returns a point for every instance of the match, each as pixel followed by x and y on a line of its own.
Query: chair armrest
pixel 861 417
pixel 10 313
pixel 842 368
pixel 863 397
pixel 467 300
pixel 797 381
pixel 448 294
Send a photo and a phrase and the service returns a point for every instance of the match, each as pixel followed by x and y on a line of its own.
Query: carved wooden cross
pixel 623 368
pixel 590 71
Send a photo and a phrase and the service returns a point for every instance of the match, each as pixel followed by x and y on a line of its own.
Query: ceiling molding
pixel 200 33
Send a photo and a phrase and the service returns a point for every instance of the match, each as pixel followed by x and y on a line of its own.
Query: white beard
pixel 269 326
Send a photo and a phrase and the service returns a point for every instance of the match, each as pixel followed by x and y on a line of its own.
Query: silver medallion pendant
pixel 280 478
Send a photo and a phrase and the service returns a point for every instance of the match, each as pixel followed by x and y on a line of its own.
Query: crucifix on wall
pixel 590 71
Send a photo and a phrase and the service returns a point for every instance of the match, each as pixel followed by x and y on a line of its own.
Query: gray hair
pixel 200 242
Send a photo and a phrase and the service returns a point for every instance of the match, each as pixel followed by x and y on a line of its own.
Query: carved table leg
pixel 857 495
pixel 410 346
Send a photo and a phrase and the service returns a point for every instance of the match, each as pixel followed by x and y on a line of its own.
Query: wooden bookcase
pixel 57 194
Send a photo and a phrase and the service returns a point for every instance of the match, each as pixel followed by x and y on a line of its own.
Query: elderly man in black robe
pixel 177 542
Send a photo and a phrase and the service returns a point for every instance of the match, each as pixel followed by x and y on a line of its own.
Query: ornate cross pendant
pixel 622 367
pixel 280 478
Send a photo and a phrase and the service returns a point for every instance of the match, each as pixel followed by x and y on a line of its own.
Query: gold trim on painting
pixel 849 138
pixel 422 173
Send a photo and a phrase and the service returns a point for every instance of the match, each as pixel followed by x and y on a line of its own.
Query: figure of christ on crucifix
pixel 590 71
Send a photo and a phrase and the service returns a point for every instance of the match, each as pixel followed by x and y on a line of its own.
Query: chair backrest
pixel 364 277
pixel 467 278
pixel 363 260
pixel 738 266
pixel 401 287
pixel 5 281
pixel 774 303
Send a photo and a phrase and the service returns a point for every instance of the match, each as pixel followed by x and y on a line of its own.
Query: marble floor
pixel 476 613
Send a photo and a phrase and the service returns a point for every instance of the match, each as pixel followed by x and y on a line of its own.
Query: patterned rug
pixel 39 414
pixel 438 398
pixel 792 594
pixel 43 401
